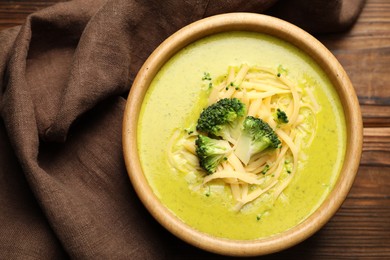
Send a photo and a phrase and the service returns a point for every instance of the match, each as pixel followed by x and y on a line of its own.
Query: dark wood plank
pixel 376 115
pixel 376 147
pixel 14 13
pixel 364 52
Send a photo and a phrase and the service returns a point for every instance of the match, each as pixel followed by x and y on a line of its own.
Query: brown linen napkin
pixel 64 190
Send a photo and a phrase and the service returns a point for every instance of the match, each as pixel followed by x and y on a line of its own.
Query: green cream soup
pixel 176 98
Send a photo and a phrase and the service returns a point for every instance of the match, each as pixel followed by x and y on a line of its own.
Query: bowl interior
pixel 289 33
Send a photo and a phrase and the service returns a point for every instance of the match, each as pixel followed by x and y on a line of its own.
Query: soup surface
pixel 175 99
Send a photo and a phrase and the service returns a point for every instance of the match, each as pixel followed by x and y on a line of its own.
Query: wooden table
pixel 361 228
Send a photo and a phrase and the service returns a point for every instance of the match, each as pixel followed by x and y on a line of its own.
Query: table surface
pixel 361 228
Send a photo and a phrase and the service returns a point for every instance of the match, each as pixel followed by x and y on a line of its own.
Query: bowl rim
pixel 329 64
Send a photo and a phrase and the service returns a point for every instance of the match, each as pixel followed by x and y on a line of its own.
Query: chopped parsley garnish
pixel 206 76
pixel 189 130
pixel 208 193
pixel 266 169
pixel 281 71
pixel 288 166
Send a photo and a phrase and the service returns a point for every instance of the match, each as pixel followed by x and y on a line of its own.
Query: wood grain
pixel 364 52
pixel 376 147
pixel 361 228
pixel 14 13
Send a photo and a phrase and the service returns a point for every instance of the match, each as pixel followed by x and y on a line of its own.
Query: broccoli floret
pixel 222 119
pixel 256 136
pixel 211 152
pixel 281 117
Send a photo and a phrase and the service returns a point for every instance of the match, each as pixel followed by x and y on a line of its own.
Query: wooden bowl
pixel 295 36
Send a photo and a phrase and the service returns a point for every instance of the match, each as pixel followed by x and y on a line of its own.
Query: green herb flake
pixel 281 71
pixel 266 169
pixel 288 168
pixel 189 130
pixel 208 193
pixel 206 76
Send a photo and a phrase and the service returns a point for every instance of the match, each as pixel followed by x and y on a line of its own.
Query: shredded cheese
pixel 263 91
